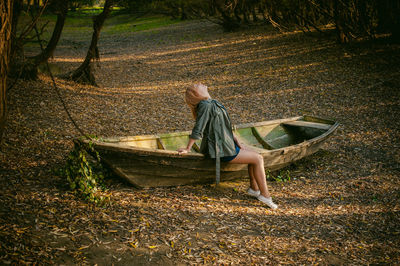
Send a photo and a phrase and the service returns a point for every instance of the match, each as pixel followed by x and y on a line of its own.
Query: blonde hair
pixel 194 94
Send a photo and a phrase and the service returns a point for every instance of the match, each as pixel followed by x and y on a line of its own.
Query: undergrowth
pixel 85 174
pixel 282 176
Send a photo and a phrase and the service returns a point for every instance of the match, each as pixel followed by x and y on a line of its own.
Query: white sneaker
pixel 268 201
pixel 253 193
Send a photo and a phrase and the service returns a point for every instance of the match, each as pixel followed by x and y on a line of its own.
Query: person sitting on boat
pixel 213 126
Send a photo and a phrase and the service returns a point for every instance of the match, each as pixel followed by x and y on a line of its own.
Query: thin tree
pixel 61 9
pixel 83 73
pixel 27 68
pixel 6 7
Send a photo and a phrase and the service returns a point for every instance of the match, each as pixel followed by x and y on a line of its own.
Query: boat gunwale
pixel 184 133
pixel 191 155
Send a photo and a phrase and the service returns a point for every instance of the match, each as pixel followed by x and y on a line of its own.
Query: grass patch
pixel 128 23
pixel 79 25
pixel 87 11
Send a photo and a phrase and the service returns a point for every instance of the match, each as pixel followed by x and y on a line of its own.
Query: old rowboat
pixel 152 160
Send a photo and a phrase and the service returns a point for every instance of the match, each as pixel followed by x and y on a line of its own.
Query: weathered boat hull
pixel 130 158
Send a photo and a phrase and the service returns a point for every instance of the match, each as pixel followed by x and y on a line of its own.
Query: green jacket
pixel 214 126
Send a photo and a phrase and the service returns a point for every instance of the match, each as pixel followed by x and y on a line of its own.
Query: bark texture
pixel 5 45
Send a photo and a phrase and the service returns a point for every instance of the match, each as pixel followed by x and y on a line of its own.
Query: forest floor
pixel 341 206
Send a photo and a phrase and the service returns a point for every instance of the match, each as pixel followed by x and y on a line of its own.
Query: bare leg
pixel 256 166
pixel 253 182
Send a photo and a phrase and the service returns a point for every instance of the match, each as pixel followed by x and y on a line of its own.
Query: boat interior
pixel 266 136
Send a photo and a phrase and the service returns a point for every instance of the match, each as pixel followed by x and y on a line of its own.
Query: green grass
pixel 79 23
pixel 87 11
pixel 127 23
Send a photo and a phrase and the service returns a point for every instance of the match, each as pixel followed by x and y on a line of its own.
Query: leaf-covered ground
pixel 341 206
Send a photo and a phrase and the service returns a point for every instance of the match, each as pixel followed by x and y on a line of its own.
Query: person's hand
pixel 237 142
pixel 239 145
pixel 183 150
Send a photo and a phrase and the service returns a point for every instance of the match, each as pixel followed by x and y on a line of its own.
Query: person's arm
pixel 188 147
pixel 203 114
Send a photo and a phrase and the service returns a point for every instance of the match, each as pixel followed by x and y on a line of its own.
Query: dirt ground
pixel 341 206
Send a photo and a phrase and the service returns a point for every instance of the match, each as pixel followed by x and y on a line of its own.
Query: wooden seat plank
pixel 307 124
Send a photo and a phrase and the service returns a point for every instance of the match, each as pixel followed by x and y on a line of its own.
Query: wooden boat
pixel 152 160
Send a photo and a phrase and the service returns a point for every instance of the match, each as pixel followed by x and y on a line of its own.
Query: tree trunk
pixel 342 35
pixel 22 67
pixel 388 18
pixel 52 44
pixel 83 73
pixel 15 43
pixel 184 15
pixel 228 22
pixel 254 14
pixel 6 7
